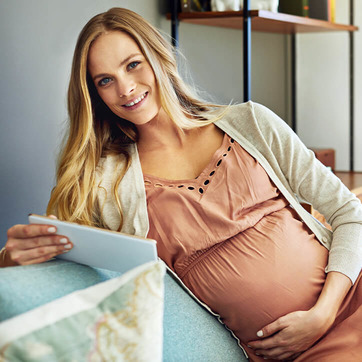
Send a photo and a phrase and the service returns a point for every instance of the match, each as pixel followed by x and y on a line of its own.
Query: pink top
pixel 223 201
pixel 233 239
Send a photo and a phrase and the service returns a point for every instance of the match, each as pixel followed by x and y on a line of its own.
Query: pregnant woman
pixel 216 186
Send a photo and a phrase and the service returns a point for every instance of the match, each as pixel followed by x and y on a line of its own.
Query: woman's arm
pixel 303 175
pixel 295 332
pixel 310 180
pixel 333 293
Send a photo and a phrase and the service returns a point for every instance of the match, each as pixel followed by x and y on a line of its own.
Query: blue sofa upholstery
pixel 190 332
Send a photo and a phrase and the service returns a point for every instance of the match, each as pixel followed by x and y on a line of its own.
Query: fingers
pixel 271 328
pixel 289 356
pixel 39 254
pixel 272 345
pixel 39 260
pixel 29 231
pixel 35 243
pixel 24 237
pixel 276 354
pixel 271 342
pixel 269 335
pixel 280 351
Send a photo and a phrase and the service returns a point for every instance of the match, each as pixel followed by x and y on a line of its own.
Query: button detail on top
pixel 206 181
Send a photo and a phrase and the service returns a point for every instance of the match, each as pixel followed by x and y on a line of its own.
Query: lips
pixel 135 101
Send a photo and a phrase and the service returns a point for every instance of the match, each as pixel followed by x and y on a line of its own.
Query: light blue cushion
pixel 26 287
pixel 190 332
pixel 117 320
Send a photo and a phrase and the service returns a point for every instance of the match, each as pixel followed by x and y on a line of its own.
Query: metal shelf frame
pixel 246 19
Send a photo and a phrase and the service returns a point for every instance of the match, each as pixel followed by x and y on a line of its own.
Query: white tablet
pixel 101 248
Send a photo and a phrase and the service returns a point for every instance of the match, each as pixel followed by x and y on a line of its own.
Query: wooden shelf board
pixel 262 20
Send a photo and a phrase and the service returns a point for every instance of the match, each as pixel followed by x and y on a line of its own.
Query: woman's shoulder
pixel 109 164
pixel 254 116
pixel 250 110
pixel 249 114
pixel 255 123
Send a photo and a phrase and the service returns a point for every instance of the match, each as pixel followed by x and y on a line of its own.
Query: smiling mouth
pixel 137 100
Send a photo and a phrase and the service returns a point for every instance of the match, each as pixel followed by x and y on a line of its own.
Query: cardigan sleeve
pixel 311 181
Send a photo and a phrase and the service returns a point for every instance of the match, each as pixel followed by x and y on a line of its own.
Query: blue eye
pixel 104 81
pixel 132 65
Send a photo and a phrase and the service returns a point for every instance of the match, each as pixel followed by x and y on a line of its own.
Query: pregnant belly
pixel 272 269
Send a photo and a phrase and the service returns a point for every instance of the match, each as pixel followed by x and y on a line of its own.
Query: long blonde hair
pixel 95 132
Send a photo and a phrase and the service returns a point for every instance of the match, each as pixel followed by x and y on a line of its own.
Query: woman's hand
pixel 295 332
pixel 34 243
pixel 291 334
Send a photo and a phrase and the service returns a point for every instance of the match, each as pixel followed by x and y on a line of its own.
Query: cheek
pixel 151 80
pixel 107 97
pixel 148 76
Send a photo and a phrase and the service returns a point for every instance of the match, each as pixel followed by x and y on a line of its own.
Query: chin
pixel 146 120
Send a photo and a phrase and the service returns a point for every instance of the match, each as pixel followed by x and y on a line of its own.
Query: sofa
pixel 64 311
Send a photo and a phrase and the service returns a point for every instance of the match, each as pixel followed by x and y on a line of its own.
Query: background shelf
pixel 262 20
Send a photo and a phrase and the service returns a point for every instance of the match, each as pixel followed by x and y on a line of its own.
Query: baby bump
pixel 272 269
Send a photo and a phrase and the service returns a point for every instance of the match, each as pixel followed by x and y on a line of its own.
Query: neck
pixel 160 133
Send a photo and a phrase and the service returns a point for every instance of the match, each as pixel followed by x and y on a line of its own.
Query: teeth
pixel 139 99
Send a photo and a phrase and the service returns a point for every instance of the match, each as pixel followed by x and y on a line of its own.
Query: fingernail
pixel 52 230
pixel 68 246
pixel 259 333
pixel 249 346
pixel 63 240
pixel 65 251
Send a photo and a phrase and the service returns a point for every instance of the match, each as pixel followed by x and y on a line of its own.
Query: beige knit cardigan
pixel 290 165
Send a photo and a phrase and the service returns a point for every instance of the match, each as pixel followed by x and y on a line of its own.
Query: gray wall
pixel 214 58
pixel 37 39
pixel 323 88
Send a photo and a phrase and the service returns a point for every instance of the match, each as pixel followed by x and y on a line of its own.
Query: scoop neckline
pixel 211 165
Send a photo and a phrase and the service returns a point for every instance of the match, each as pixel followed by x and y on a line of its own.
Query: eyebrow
pixel 121 64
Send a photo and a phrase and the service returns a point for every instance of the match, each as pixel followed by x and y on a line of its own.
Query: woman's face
pixel 124 79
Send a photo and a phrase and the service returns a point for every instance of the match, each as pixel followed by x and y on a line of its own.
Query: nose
pixel 126 86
